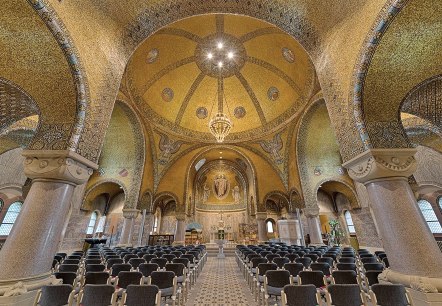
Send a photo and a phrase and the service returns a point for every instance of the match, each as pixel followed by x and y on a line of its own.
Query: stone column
pixel 35 238
pixel 412 251
pixel 129 214
pixel 262 230
pixel 314 225
pixel 180 230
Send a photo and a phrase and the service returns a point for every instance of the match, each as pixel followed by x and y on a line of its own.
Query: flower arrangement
pixel 336 234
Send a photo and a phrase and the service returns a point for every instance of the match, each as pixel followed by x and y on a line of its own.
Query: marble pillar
pixel 129 214
pixel 314 225
pixel 35 238
pixel 412 251
pixel 180 230
pixel 262 230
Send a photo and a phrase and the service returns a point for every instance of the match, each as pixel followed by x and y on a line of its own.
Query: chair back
pixel 55 295
pixel 374 267
pixel 111 261
pixel 262 268
pixel 162 279
pixel 302 295
pixel 184 261
pixel 135 262
pixel 366 260
pixel 347 260
pixel 281 261
pixel 97 295
pixel 159 261
pixel 117 268
pixel 67 277
pixel 70 261
pixel 95 268
pixel 294 268
pixel 321 266
pixel 390 295
pixel 277 278
pixel 292 257
pixel 139 295
pixel 344 277
pixel 306 261
pixel 270 257
pixel 67 268
pixel 148 257
pixel 312 278
pixel 92 261
pixel 257 260
pixel 96 278
pixel 126 278
pixel 328 260
pixel 346 266
pixel 169 257
pixel 372 277
pixel 313 257
pixel 147 268
pixel 177 268
pixel 345 295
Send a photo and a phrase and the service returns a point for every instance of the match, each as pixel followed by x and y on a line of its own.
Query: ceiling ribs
pixel 275 70
pixel 252 96
pixel 180 33
pixel 188 96
pixel 219 19
pixel 166 70
pixel 259 32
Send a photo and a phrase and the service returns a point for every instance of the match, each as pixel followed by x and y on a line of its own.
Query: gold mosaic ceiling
pixel 178 75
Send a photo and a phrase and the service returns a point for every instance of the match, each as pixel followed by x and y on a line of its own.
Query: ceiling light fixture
pixel 220 64
pixel 220 45
pixel 220 124
pixel 209 56
pixel 230 55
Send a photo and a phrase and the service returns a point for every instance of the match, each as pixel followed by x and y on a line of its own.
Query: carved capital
pixel 181 217
pixel 377 164
pixel 59 165
pixel 130 213
pixel 311 212
pixel 261 216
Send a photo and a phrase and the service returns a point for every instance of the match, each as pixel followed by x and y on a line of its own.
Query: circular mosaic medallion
pixel 167 94
pixel 239 112
pixel 201 112
pixel 220 54
pixel 288 55
pixel 152 55
pixel 273 93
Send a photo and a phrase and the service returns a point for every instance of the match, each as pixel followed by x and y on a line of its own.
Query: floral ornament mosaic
pixel 152 55
pixel 288 55
pixel 273 93
pixel 239 112
pixel 317 171
pixel 167 94
pixel 201 112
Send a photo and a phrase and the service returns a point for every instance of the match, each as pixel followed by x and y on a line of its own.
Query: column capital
pixel 130 213
pixel 375 164
pixel 311 212
pixel 181 217
pixel 261 215
pixel 57 165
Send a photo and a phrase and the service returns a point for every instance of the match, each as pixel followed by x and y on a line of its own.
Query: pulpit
pixel 221 241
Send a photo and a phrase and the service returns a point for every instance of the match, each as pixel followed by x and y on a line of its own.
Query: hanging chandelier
pixel 220 124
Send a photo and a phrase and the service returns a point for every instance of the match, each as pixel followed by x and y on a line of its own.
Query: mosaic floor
pixel 221 283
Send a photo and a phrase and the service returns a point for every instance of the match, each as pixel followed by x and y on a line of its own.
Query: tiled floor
pixel 221 284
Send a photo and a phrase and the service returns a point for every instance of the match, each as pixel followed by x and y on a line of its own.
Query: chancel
pixel 221 152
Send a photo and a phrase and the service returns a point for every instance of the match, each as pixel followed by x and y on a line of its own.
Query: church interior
pixel 248 152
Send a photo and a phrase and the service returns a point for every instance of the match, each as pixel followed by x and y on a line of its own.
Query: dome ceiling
pixel 179 77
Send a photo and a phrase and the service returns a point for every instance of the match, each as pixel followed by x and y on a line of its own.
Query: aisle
pixel 221 283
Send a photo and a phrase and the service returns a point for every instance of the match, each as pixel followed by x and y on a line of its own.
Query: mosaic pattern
pixel 239 112
pixel 201 112
pixel 221 283
pixel 167 94
pixel 152 56
pixel 288 55
pixel 273 93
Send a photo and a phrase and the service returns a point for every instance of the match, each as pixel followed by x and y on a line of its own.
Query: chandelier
pixel 220 124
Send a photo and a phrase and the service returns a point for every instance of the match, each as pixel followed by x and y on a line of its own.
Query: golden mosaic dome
pixel 180 75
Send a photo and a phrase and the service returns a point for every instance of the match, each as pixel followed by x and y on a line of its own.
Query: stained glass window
pixel 349 220
pixel 10 217
pixel 91 226
pixel 430 216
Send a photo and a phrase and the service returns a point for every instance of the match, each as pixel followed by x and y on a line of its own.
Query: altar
pixel 229 236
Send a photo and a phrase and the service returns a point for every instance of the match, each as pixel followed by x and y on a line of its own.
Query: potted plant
pixel 336 233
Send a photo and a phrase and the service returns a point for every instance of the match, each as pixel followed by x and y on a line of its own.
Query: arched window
pixel 440 203
pixel 155 224
pixel 430 216
pixel 349 221
pixel 10 217
pixel 91 226
pixel 1 204
pixel 270 226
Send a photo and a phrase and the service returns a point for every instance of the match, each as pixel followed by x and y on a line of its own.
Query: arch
pixel 334 185
pixel 270 225
pixel 430 216
pixel 146 201
pixel 10 218
pixel 111 187
pixel 166 195
pixel 371 42
pixel 295 200
pixel 279 198
pixel 58 30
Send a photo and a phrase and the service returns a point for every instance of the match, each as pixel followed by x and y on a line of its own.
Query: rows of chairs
pixel 316 275
pixel 105 276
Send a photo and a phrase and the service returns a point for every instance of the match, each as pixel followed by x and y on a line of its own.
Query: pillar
pixel 129 214
pixel 35 238
pixel 180 230
pixel 262 230
pixel 412 251
pixel 314 225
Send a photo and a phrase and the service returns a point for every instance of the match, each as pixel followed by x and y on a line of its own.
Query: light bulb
pixel 230 55
pixel 220 64
pixel 209 56
pixel 220 45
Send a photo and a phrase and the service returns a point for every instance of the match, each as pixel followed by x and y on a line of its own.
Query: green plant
pixel 336 233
